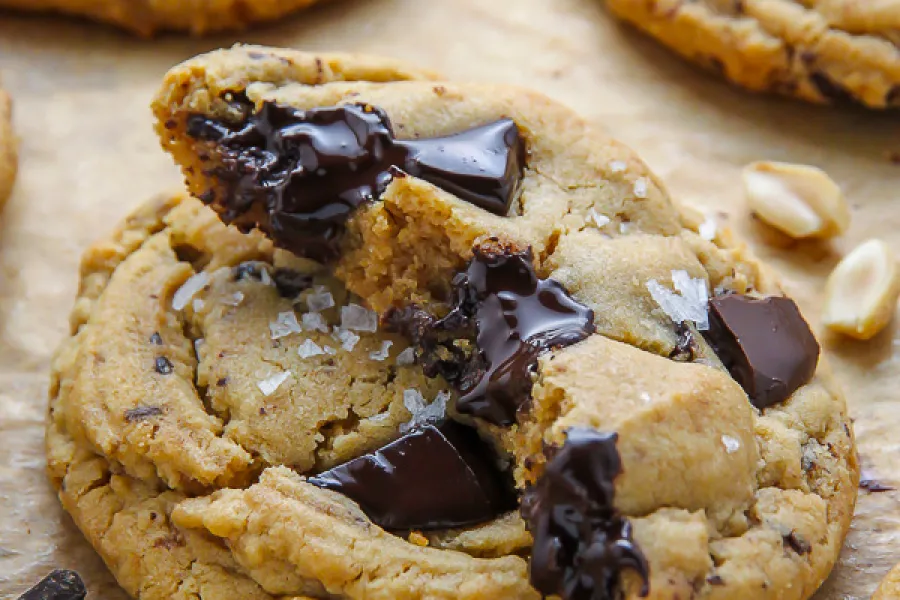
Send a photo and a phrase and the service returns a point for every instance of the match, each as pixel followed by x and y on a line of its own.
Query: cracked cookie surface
pixel 823 51
pixel 147 17
pixel 195 440
pixel 8 153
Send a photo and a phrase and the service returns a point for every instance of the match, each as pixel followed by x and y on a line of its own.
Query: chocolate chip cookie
pixel 8 155
pixel 146 17
pixel 453 343
pixel 829 52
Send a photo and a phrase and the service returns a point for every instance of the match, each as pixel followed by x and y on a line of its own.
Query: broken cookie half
pixel 455 343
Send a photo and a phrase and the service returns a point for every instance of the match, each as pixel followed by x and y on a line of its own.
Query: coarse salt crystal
pixel 198 304
pixel 625 228
pixel 319 300
pixel 407 357
pixel 314 322
pixel 284 325
pixel 617 166
pixel 198 343
pixel 235 299
pixel 329 350
pixel 645 397
pixel 269 385
pixel 379 418
pixel 383 353
pixel 707 229
pixel 358 318
pixel 309 348
pixel 422 413
pixel 640 187
pixel 264 277
pixel 732 444
pixel 689 304
pixel 347 338
pixel 599 220
pixel 188 289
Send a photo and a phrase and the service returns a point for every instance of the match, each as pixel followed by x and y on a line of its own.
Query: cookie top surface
pixel 146 17
pixel 706 494
pixel 829 51
pixel 8 154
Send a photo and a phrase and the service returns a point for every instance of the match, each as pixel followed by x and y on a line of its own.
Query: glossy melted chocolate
pixel 514 316
pixel 581 543
pixel 299 174
pixel 432 478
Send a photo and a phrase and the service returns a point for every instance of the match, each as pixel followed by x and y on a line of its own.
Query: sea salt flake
pixel 188 289
pixel 319 300
pixel 329 350
pixel 284 325
pixel 599 220
pixel 617 166
pixel 198 304
pixel 407 357
pixel 625 228
pixel 269 385
pixel 707 229
pixel 347 338
pixel 422 412
pixel 383 353
pixel 640 187
pixel 309 348
pixel 234 300
pixel 198 343
pixel 732 444
pixel 264 277
pixel 359 318
pixel 689 304
pixel 314 322
pixel 645 397
pixel 379 418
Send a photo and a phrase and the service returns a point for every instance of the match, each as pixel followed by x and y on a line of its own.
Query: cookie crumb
pixel 189 289
pixel 416 538
pixel 309 348
pixel 268 386
pixel 732 444
pixel 383 353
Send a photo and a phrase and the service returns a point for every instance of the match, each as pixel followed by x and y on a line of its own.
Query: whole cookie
pixel 502 377
pixel 890 586
pixel 8 155
pixel 829 52
pixel 146 17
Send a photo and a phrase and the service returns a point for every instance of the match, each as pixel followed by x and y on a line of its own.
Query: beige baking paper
pixel 89 155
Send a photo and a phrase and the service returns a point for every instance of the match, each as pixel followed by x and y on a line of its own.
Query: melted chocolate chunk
pixel 432 478
pixel 58 585
pixel 765 344
pixel 513 316
pixel 581 543
pixel 290 283
pixel 299 174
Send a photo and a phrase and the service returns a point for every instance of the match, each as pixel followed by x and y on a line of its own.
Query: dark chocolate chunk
pixel 892 99
pixel 432 478
pixel 163 365
pixel 581 543
pixel 58 585
pixel 299 174
pixel 156 339
pixel 686 347
pixel 142 412
pixel 513 315
pixel 765 344
pixel 290 283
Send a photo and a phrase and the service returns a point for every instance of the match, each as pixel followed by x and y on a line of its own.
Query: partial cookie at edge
pixel 8 148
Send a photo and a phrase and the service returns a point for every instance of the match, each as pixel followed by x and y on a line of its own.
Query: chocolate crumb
pixel 686 347
pixel 163 365
pixel 715 580
pixel 290 283
pixel 222 382
pixel 262 410
pixel 298 175
pixel 142 412
pixel 581 543
pixel 797 543
pixel 156 339
pixel 870 483
pixel 58 585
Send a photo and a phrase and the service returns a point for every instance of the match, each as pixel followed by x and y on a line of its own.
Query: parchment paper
pixel 89 155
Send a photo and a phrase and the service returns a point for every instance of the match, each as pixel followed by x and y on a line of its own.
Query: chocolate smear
pixel 765 344
pixel 869 482
pixel 58 585
pixel 513 317
pixel 431 478
pixel 299 174
pixel 581 543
